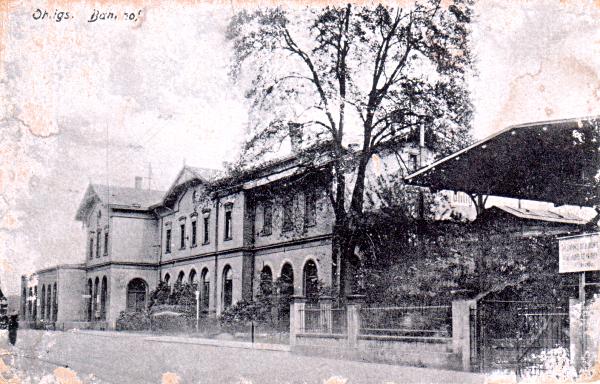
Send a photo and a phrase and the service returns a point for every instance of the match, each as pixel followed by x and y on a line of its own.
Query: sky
pixel 108 100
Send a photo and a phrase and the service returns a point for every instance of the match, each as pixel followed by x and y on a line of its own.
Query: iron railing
pixel 323 320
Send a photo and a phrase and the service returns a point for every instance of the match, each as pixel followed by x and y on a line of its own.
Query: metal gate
pixel 510 335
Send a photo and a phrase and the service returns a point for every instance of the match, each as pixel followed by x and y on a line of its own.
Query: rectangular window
pixel 168 241
pixel 288 213
pixel 182 238
pixel 91 250
pixel 105 243
pixel 228 221
pixel 267 219
pixel 194 227
pixel 310 209
pixel 206 227
pixel 98 238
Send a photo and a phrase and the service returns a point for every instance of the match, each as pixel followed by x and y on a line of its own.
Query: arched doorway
pixel 266 281
pixel 55 304
pixel 43 303
pixel 286 291
pixel 89 306
pixel 49 303
pixel 227 287
pixel 192 278
pixel 205 288
pixel 96 299
pixel 167 278
pixel 310 281
pixel 180 278
pixel 103 294
pixel 136 295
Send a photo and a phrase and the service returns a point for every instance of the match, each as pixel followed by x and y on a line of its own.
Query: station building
pixel 223 233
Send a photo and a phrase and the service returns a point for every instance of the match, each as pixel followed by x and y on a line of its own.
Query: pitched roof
pixel 207 174
pixel 541 215
pixel 123 197
pixel 188 175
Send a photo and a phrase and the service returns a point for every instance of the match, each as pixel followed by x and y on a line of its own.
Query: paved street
pixel 128 358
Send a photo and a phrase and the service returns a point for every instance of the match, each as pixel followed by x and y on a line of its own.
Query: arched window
pixel 103 294
pixel 266 281
pixel 49 303
pixel 35 302
pixel 24 301
pixel 30 303
pixel 96 298
pixel 43 302
pixel 89 309
pixel 136 295
pixel 180 278
pixel 227 287
pixel 192 277
pixel 310 281
pixel 55 304
pixel 205 289
pixel 167 278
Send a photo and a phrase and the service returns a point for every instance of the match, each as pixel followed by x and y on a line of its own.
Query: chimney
pixel 138 182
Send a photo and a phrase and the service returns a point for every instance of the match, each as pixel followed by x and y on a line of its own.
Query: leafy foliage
pixel 182 294
pixel 133 321
pixel 337 75
pixel 436 262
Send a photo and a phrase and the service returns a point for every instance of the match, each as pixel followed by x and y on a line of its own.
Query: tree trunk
pixel 351 227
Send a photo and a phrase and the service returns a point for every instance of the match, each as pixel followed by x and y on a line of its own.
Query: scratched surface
pixel 151 85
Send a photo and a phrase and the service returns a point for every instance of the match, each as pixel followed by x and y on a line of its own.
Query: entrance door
pixel 136 295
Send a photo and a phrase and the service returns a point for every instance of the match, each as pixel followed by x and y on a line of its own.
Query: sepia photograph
pixel 249 192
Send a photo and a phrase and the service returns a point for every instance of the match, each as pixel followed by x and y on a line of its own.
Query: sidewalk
pixel 189 340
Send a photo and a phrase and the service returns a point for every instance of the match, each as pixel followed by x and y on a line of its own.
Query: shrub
pixel 133 321
pixel 238 316
pixel 160 295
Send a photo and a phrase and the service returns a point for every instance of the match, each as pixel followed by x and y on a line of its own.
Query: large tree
pixel 356 78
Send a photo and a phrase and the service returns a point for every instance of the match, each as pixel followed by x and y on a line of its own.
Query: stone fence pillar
pixel 325 319
pixel 576 332
pixel 353 306
pixel 461 330
pixel 297 307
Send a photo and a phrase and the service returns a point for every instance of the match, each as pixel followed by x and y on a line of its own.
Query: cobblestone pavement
pixel 80 357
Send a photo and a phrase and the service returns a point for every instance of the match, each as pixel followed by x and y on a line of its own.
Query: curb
pixel 192 340
pixel 220 343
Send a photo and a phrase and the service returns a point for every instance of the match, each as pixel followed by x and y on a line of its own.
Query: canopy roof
pixel 556 161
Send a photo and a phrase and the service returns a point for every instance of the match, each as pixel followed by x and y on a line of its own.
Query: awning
pixel 555 161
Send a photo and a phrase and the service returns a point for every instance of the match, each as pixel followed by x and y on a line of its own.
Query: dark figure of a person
pixel 13 325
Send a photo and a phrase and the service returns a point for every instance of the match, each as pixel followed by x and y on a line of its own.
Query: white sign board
pixel 579 254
